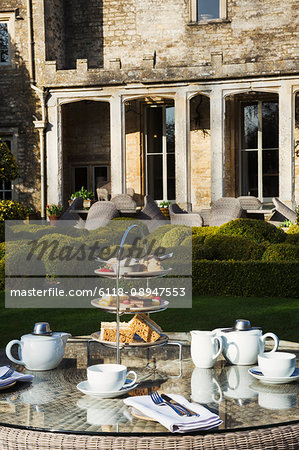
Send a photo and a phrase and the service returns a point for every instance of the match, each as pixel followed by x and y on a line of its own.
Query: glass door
pixel 259 149
pixel 160 152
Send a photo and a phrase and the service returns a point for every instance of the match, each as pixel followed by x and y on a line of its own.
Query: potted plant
pixel 88 197
pixel 31 214
pixel 54 212
pixel 164 207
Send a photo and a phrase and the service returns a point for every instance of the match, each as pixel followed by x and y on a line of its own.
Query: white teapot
pixel 243 343
pixel 40 350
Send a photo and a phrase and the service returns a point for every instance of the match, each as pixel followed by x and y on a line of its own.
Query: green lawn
pixel 279 315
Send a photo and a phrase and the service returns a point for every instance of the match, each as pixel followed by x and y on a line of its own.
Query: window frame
pixel 259 149
pixel 222 12
pixel 8 18
pixel 90 174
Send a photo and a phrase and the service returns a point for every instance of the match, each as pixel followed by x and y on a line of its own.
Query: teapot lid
pixel 241 325
pixel 42 329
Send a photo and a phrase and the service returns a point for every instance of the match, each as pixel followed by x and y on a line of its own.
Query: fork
pixel 158 400
pixel 7 374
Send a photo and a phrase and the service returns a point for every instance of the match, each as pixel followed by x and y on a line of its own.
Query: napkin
pixel 170 419
pixel 15 376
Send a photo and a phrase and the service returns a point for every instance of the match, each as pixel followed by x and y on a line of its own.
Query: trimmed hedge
pixel 257 230
pixel 237 248
pixel 175 236
pixel 203 232
pixel 246 278
pixel 281 252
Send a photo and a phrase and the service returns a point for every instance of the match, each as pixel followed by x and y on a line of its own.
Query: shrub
pixel 175 236
pixel 36 231
pixel 246 278
pixel 18 260
pixel 203 232
pixel 154 239
pixel 222 247
pixel 257 230
pixel 10 210
pixel 281 252
pixel 2 250
pixel 65 255
pixel 292 235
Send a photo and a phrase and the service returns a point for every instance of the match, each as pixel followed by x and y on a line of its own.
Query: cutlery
pixel 7 374
pixel 179 405
pixel 158 400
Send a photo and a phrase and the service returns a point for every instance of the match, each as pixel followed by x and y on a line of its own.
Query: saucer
pixel 7 384
pixel 86 389
pixel 256 373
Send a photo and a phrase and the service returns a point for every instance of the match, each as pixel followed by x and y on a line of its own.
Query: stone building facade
pixel 187 100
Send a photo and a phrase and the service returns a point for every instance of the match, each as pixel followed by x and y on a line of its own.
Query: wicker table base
pixel 283 437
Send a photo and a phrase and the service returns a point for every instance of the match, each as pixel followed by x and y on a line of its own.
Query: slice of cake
pixel 146 328
pixel 108 332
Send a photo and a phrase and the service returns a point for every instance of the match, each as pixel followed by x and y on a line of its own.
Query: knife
pixel 175 403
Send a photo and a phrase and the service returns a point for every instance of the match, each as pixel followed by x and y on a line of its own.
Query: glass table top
pixel 52 401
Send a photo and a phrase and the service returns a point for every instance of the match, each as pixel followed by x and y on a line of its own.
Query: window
pixel 160 152
pixel 6 188
pixel 4 43
pixel 6 37
pixel 90 177
pixel 259 149
pixel 204 10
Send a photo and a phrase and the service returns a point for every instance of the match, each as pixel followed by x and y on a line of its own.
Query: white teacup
pixel 109 377
pixel 205 348
pixel 277 364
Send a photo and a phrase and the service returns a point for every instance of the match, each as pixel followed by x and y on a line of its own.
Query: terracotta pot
pixel 165 211
pixel 53 220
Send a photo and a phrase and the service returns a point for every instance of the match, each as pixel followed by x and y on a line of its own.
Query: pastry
pixel 108 332
pixel 144 327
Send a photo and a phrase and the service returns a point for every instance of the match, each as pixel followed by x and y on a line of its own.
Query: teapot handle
pixel 275 339
pixel 8 352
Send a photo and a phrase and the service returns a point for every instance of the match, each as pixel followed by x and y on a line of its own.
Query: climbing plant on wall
pixel 8 166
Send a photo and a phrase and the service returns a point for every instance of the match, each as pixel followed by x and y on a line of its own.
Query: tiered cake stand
pixel 120 310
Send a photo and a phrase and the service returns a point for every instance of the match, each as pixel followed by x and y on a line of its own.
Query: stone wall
pixel 154 40
pixel 18 104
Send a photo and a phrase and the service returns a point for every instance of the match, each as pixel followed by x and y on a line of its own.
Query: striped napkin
pixel 170 419
pixel 16 376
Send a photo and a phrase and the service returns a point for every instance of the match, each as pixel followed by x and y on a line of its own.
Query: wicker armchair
pixel 180 217
pixel 67 215
pixel 250 202
pixel 282 212
pixel 151 210
pixel 124 203
pixel 100 215
pixel 224 210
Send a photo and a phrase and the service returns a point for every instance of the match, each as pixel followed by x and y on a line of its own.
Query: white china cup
pixel 277 364
pixel 109 377
pixel 205 348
